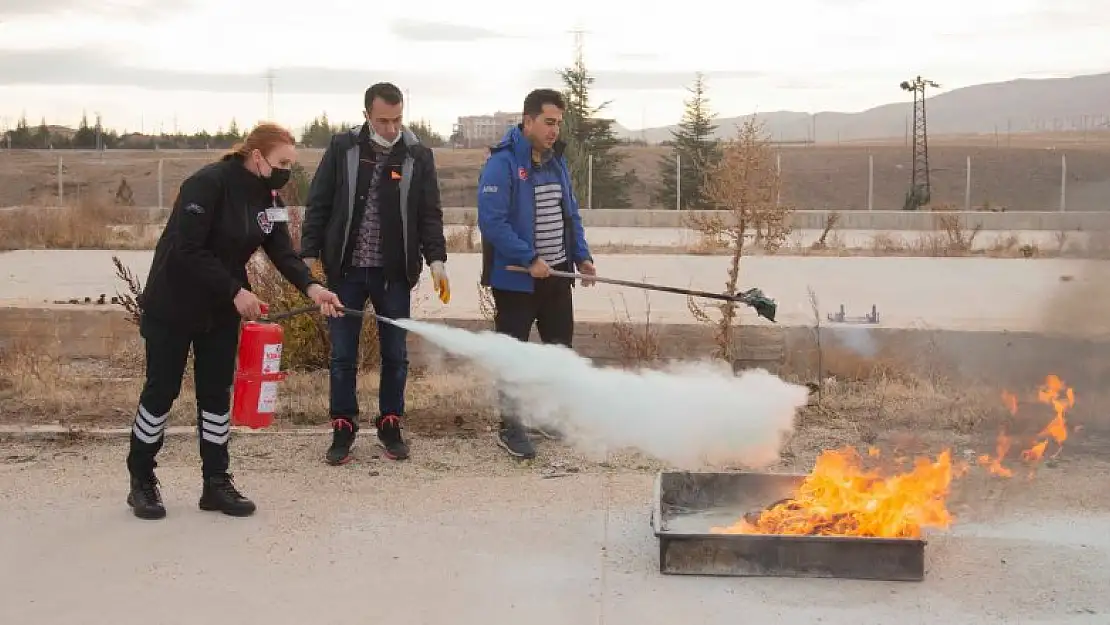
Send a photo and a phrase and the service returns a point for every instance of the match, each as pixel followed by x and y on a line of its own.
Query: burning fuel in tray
pixel 841 497
pixel 842 520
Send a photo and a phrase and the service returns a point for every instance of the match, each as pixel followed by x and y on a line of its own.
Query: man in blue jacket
pixel 528 217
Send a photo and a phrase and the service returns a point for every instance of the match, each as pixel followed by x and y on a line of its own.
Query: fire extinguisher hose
pixel 305 310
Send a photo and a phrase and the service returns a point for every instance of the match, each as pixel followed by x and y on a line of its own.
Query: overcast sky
pixel 148 64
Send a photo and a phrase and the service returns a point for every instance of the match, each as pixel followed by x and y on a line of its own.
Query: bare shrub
pixel 486 305
pixel 306 341
pixel 957 239
pixel 831 220
pixel 745 183
pixel 130 301
pixel 636 343
pixel 464 240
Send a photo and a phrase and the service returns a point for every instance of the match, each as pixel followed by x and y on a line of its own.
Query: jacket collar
pixel 521 147
pixel 361 133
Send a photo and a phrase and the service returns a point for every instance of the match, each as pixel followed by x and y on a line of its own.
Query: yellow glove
pixel 440 281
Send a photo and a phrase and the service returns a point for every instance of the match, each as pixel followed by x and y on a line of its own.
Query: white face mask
pixel 382 141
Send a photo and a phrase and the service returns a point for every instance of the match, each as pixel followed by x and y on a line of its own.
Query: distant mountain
pixel 1079 102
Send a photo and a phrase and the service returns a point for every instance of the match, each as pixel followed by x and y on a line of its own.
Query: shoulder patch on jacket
pixel 194 208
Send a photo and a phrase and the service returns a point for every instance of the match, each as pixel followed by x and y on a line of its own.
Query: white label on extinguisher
pixel 267 398
pixel 271 358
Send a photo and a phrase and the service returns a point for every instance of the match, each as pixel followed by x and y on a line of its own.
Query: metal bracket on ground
pixel 840 317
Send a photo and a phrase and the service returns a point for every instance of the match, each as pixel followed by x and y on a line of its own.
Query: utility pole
pixel 919 192
pixel 270 94
pixel 99 144
pixel 579 43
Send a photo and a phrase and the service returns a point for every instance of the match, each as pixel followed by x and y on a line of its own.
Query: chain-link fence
pixel 814 177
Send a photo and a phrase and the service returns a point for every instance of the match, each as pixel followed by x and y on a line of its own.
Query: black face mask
pixel 278 178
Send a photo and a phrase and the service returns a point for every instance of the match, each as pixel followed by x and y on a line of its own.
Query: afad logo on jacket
pixel 522 173
pixel 265 223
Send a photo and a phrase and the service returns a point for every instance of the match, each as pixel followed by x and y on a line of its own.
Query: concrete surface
pixel 459 535
pixel 942 293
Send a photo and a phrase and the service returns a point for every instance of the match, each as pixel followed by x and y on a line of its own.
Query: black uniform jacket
pixel 218 222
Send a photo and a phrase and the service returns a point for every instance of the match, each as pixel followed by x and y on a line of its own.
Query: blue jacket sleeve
pixel 494 201
pixel 581 248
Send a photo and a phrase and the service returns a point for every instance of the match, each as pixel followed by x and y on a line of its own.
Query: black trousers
pixel 550 307
pixel 167 352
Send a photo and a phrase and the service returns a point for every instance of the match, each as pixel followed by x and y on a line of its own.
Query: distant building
pixel 476 131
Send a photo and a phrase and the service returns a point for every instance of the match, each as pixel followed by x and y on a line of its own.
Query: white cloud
pixel 803 55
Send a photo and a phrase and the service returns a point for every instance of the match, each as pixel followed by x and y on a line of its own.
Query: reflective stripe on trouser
pixel 215 428
pixel 147 427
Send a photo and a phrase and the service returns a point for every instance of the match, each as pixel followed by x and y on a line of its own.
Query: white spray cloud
pixel 857 339
pixel 690 415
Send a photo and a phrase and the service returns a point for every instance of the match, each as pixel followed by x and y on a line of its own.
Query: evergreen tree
pixel 85 137
pixel 21 136
pixel 587 134
pixel 423 130
pixel 42 136
pixel 698 150
pixel 318 134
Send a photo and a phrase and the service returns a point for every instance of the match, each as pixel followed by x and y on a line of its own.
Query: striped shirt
pixel 550 233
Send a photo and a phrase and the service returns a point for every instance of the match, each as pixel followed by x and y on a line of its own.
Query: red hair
pixel 264 137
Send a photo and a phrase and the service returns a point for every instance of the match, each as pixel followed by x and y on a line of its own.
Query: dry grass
pixel 37 388
pixel 862 398
pixel 88 224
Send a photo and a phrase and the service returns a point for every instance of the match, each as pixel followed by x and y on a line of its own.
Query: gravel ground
pixel 461 534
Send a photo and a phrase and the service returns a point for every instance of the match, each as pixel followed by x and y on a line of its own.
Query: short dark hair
pixel 538 98
pixel 386 91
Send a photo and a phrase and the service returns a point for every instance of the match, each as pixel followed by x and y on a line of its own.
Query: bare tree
pixel 744 186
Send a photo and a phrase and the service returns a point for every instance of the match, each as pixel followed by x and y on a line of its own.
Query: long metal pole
pixel 678 182
pixel 590 183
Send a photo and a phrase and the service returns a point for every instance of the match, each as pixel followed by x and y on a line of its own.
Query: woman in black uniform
pixel 196 294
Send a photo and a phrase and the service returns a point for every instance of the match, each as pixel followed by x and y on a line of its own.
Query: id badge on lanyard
pixel 276 213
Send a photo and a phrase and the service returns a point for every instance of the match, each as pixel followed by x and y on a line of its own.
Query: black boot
pixel 145 498
pixel 343 432
pixel 220 495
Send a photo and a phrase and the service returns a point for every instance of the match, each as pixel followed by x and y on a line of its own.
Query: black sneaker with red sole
pixel 342 438
pixel 390 437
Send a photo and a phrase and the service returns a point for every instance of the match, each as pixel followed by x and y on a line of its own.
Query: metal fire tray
pixel 688 505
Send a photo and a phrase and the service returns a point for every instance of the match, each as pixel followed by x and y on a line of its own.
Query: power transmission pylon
pixel 579 44
pixel 920 190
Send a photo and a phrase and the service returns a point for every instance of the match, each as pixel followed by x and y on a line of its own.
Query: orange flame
pixel 1053 392
pixel 841 498
pixel 994 465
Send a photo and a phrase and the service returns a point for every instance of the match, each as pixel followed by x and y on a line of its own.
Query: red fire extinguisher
pixel 257 374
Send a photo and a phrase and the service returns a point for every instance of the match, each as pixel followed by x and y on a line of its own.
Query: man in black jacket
pixel 373 214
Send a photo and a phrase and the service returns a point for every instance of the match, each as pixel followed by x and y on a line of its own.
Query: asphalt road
pixel 459 535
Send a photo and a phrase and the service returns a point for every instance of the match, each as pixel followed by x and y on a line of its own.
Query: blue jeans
pixel 389 299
